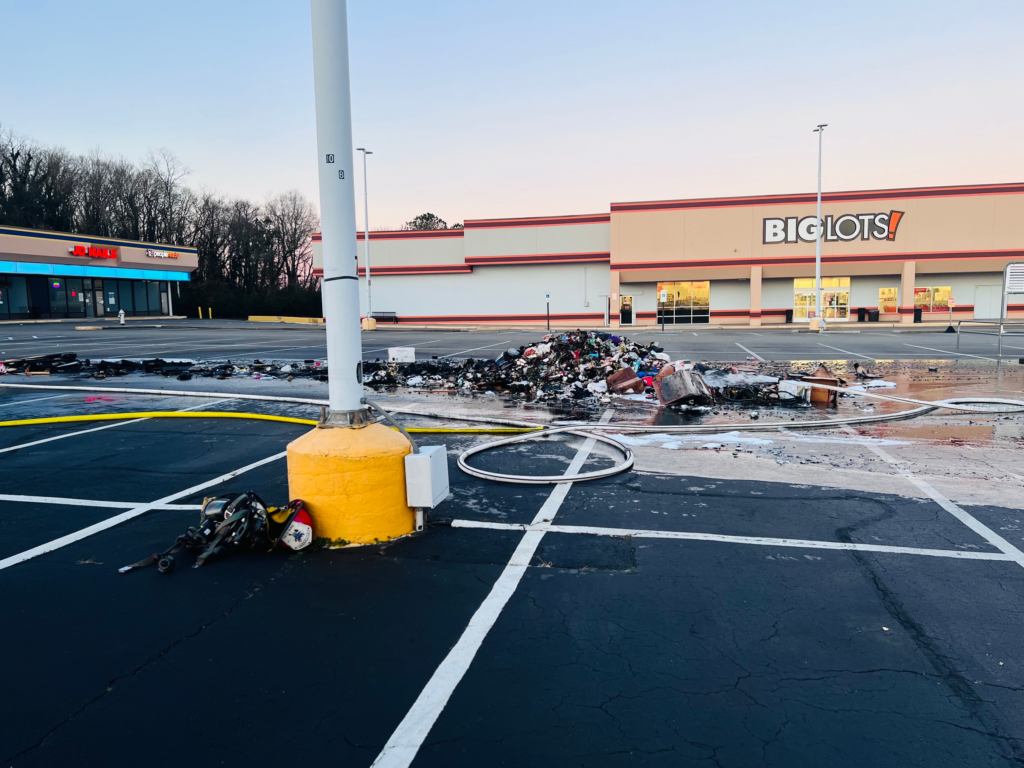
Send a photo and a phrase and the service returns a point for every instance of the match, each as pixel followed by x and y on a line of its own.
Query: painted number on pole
pixel 341 174
pixel 330 158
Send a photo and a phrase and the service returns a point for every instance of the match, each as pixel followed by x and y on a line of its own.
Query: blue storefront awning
pixel 71 270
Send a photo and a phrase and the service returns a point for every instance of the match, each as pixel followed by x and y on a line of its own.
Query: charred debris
pixel 576 369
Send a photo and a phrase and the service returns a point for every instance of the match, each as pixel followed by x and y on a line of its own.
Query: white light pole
pixel 819 312
pixel 337 208
pixel 366 234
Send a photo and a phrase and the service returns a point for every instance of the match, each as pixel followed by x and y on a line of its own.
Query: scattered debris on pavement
pixel 236 523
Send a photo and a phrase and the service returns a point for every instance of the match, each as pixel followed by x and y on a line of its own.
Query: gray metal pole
pixel 337 204
pixel 819 311
pixel 1002 309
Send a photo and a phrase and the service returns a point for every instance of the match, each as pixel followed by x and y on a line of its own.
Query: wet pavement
pixel 789 599
pixel 218 340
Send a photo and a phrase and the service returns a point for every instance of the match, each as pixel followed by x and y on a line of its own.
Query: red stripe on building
pixel 540 258
pixel 418 269
pixel 828 197
pixel 539 221
pixel 403 234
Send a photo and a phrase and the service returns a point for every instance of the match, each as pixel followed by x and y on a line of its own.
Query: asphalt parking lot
pixel 205 340
pixel 653 618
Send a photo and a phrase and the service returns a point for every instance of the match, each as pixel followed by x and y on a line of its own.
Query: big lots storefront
pixel 48 275
pixel 889 255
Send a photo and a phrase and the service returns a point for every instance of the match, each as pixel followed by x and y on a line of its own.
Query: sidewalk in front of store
pixel 86 320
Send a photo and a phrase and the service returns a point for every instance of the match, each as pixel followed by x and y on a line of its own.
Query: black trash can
pixel 862 314
pixel 917 314
pixel 789 316
pixel 872 315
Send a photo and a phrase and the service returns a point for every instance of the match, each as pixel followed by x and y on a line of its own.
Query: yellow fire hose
pixel 238 415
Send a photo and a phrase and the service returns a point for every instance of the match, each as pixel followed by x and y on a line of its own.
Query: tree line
pixel 255 256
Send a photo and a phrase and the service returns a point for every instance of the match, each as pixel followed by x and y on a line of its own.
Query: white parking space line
pixel 110 522
pixel 34 400
pixel 474 349
pixel 89 502
pixel 749 352
pixel 753 540
pixel 408 737
pixel 846 352
pixel 100 429
pixel 960 514
pixel 951 352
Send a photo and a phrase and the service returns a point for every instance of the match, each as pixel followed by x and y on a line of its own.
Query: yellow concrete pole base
pixel 353 483
pixel 369 324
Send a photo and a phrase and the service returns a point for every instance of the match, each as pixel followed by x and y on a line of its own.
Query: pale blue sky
pixel 479 109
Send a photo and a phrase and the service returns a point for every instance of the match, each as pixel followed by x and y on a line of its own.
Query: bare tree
pixel 293 220
pixel 174 199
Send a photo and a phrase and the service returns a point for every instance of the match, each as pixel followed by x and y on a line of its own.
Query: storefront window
pixel 933 299
pixel 684 302
pixel 124 296
pixel 887 300
pixel 835 298
pixel 4 303
pixel 17 295
pixel 153 289
pixel 76 299
pixel 940 298
pixel 110 294
pixel 58 297
pixel 140 298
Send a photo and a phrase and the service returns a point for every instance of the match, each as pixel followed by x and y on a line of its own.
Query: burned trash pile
pixel 183 370
pixel 574 370
pixel 590 367
pixel 573 366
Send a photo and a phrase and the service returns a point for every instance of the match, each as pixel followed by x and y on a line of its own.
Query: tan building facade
pixel 52 275
pixel 890 255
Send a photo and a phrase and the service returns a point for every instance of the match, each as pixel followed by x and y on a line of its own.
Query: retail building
pixel 888 254
pixel 46 275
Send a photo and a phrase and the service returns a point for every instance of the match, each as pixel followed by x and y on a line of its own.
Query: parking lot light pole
pixel 350 469
pixel 366 236
pixel 819 312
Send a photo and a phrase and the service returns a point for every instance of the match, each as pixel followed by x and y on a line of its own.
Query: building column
pixel 755 296
pixel 906 298
pixel 613 299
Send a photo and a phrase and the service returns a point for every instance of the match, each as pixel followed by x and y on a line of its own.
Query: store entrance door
pixel 626 310
pixel 90 310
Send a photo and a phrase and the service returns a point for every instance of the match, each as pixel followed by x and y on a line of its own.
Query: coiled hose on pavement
pixel 987 405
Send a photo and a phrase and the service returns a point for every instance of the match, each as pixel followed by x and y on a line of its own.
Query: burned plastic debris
pixel 571 366
pixel 183 370
pixel 570 371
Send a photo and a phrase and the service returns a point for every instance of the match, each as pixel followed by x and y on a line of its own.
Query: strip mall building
pixel 742 260
pixel 46 275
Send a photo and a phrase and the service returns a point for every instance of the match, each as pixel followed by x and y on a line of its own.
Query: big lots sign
pixel 93 252
pixel 849 226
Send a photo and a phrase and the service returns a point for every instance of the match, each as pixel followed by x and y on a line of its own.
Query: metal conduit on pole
pixel 350 470
pixel 366 239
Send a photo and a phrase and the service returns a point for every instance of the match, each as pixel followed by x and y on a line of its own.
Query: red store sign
pixel 93 252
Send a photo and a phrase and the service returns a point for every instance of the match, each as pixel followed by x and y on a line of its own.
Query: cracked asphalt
pixel 613 651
